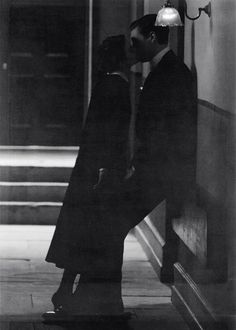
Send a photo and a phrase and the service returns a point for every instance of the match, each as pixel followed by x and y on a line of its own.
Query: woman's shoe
pixel 62 317
pixel 57 317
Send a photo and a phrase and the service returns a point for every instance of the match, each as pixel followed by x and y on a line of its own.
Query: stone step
pixel 29 213
pixel 37 163
pixel 33 183
pixel 38 156
pixel 33 191
pixel 34 174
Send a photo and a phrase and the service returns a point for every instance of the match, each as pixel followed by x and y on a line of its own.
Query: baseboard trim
pixel 152 249
pixel 183 308
pixel 190 302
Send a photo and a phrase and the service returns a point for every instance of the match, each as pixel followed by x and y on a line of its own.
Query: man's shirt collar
pixel 157 58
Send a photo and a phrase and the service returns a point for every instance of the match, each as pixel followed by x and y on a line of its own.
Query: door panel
pixel 46 74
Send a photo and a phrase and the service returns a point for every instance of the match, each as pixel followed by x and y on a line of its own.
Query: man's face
pixel 140 45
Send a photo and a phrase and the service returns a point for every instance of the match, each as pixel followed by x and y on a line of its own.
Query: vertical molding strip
pixel 4 67
pixel 88 58
pixel 90 45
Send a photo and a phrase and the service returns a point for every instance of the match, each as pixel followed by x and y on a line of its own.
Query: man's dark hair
pixel 146 24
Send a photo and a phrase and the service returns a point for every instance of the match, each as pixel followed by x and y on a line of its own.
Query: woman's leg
pixel 65 289
pixel 99 291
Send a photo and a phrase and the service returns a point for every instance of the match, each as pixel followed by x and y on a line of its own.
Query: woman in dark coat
pixel 89 234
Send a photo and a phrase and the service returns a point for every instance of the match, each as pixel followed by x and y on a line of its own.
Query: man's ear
pixel 152 36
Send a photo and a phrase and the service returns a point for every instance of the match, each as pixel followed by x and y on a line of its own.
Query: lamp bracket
pixel 168 4
pixel 206 9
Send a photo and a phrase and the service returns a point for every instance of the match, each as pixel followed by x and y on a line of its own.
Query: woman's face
pixel 118 57
pixel 130 55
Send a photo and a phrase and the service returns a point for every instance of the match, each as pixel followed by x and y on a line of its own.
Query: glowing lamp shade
pixel 168 16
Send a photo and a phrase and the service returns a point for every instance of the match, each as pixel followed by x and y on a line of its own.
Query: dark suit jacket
pixel 166 133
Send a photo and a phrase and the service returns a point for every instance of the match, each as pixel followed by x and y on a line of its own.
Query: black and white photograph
pixel 117 164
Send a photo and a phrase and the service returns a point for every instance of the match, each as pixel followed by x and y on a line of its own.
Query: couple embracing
pixel 108 194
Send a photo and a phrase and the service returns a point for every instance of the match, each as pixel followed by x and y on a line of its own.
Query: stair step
pixel 33 182
pixel 29 213
pixel 35 174
pixel 32 191
pixel 37 163
pixel 38 156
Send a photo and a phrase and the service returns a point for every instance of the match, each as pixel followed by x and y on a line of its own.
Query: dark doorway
pixel 46 74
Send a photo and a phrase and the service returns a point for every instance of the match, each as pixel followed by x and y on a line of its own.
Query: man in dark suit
pixel 164 160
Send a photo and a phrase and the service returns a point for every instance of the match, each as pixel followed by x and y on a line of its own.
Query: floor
pixel 27 283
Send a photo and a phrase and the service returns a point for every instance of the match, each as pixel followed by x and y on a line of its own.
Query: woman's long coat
pixel 89 232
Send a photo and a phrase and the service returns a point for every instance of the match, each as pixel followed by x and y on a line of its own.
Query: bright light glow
pixel 168 16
